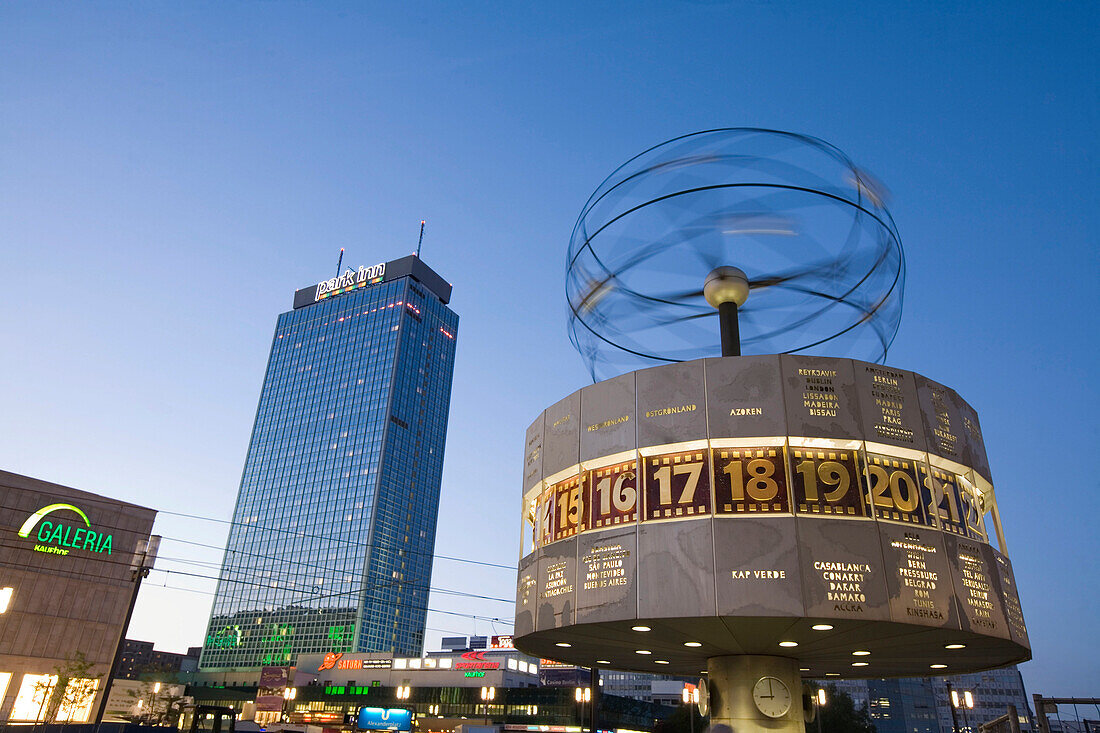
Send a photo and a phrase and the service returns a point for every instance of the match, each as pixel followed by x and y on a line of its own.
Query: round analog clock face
pixel 772 697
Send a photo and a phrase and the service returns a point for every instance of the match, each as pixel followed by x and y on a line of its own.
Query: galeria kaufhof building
pixel 67 582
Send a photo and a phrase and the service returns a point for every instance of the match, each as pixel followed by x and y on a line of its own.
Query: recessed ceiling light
pixel 860 653
pixel 640 628
pixel 822 627
pixel 832 674
pixel 938 666
pixel 661 661
pixel 692 643
pixel 603 661
pixel 859 664
pixel 643 651
pixel 788 643
pixel 954 646
pixel 563 644
pixel 803 669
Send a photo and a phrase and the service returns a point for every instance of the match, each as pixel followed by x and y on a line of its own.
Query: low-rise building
pixel 70 561
pixel 140 658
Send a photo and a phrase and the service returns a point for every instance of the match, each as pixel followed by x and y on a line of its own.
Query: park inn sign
pixel 55 537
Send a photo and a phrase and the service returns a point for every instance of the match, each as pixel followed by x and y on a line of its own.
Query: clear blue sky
pixel 171 172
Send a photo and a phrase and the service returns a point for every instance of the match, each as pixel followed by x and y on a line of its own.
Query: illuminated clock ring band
pixel 35 518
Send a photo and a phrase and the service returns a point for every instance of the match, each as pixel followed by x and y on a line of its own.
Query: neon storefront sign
pixel 55 537
pixel 349 280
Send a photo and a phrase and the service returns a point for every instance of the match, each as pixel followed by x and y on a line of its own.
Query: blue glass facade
pixel 895 705
pixel 334 528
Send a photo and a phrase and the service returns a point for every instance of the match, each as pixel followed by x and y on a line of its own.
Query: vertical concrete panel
pixel 973 573
pixel 756 567
pixel 527 594
pixel 608 420
pixel 557 585
pixel 607 587
pixel 842 573
pixel 676 569
pixel 942 419
pixel 745 397
pixel 561 435
pixel 888 406
pixel 974 455
pixel 918 576
pixel 820 397
pixel 532 455
pixel 671 404
pixel 1010 597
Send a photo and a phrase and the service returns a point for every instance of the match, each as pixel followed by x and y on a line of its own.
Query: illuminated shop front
pixel 442 690
pixel 68 579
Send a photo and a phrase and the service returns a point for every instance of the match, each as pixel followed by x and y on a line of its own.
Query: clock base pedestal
pixel 731 682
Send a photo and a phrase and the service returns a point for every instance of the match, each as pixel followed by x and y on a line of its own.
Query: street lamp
pixel 967 704
pixel 819 702
pixel 403 692
pixel 488 694
pixel 582 695
pixel 690 696
pixel 964 702
pixel 289 693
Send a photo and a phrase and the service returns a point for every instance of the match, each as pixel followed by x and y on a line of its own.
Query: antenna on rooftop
pixel 340 262
pixel 421 239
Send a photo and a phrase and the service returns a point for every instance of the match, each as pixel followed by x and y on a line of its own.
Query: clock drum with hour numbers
pixel 796 506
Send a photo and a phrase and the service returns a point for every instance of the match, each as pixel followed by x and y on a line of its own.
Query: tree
pixel 72 689
pixel 840 715
pixel 159 705
pixel 679 722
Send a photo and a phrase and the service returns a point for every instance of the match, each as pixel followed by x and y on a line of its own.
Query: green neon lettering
pixel 45 527
pixel 76 536
pixel 106 546
pixel 56 536
pixel 65 539
pixel 33 519
pixel 89 540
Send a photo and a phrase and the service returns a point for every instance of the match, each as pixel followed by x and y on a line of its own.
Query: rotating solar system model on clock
pixel 791 509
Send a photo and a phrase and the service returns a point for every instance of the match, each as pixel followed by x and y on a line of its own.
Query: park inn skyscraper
pixel 333 533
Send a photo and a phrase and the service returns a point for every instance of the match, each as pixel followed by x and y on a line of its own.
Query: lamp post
pixel 690 697
pixel 953 699
pixel 964 702
pixel 967 704
pixel 289 693
pixel 144 557
pixel 819 702
pixel 582 695
pixel 487 695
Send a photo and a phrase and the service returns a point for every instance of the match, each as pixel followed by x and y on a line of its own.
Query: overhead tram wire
pixel 308 591
pixel 332 539
pixel 86 575
pixel 308 535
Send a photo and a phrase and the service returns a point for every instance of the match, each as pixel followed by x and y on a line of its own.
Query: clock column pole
pixel 731 681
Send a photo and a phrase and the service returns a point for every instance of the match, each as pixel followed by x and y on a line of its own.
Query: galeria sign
pixel 58 538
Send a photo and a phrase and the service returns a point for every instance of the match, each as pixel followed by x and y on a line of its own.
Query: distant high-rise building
pixel 140 658
pixel 904 705
pixel 923 704
pixel 992 692
pixel 333 533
